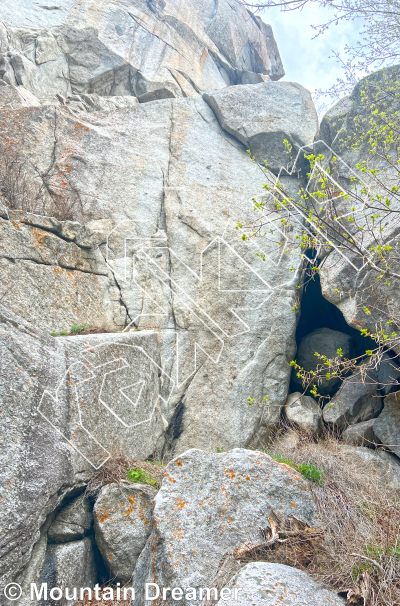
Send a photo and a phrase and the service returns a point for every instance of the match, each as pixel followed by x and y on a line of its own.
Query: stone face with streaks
pixel 211 503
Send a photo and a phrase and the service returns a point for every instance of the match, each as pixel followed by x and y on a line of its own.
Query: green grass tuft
pixel 138 476
pixel 311 472
pixel 307 470
pixel 77 328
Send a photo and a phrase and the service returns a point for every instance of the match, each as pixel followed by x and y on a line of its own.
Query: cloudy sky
pixel 306 60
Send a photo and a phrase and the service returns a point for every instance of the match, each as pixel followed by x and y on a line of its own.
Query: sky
pixel 306 60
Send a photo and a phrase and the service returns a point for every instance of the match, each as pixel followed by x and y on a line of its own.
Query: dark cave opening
pixel 316 312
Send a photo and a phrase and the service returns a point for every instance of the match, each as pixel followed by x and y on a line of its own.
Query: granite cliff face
pixel 151 49
pixel 131 121
pixel 164 183
pixel 102 110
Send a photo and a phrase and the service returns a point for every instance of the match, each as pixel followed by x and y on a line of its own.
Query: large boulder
pixel 209 504
pixel 150 49
pixel 170 187
pixel 269 584
pixel 262 116
pixel 323 341
pixel 384 465
pixel 304 412
pixel 361 434
pixel 387 425
pixel 123 516
pixel 60 422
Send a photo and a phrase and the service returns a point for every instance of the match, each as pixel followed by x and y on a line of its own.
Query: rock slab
pixel 269 584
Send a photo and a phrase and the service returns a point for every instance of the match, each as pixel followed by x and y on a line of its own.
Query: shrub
pixel 78 328
pixel 360 553
pixel 311 472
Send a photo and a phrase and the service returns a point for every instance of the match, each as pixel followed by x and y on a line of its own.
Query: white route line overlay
pixel 50 395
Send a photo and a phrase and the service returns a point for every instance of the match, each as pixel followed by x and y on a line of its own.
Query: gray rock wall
pixel 167 188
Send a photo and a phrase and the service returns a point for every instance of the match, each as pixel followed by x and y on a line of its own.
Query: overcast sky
pixel 306 60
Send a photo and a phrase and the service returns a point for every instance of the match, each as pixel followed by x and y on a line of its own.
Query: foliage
pixel 252 401
pixel 77 328
pixel 84 329
pixel 120 470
